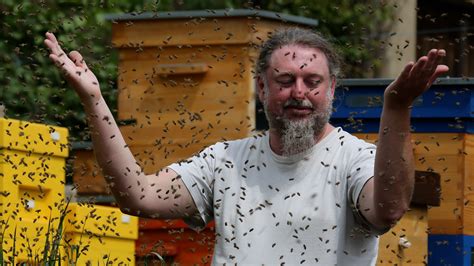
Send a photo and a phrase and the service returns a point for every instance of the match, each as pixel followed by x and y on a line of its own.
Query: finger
pixel 435 57
pixel 403 75
pixel 440 70
pixel 435 69
pixel 406 71
pixel 57 56
pixel 432 62
pixel 77 58
pixel 53 44
pixel 419 66
pixel 442 52
pixel 51 36
pixel 56 60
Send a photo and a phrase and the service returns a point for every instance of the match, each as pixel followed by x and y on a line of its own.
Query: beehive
pixel 32 177
pixel 442 123
pixel 451 250
pixel 27 240
pixel 99 235
pixel 186 80
pixel 175 240
pixel 447 107
pixel 451 155
pixel 407 242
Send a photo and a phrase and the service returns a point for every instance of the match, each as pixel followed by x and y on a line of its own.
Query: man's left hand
pixel 415 79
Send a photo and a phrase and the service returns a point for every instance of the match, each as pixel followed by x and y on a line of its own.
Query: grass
pixel 50 255
pixel 56 246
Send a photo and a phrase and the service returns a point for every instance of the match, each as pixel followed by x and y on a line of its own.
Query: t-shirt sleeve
pixel 361 170
pixel 197 174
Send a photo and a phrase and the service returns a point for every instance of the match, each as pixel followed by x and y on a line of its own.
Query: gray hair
pixel 298 36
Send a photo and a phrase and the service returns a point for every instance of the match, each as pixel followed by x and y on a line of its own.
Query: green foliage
pixel 32 88
pixel 356 28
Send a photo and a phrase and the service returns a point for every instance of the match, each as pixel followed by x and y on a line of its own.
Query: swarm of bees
pixel 179 93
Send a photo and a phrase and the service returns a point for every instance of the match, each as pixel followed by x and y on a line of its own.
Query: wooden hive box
pixel 186 80
pixel 442 121
pixel 452 156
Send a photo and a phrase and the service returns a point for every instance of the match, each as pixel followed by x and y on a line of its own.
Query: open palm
pixel 415 79
pixel 74 68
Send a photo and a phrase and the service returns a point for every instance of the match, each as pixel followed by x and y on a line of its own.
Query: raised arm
pixel 386 197
pixel 153 195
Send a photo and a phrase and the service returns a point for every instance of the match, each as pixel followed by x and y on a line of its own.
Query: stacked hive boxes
pixel 32 175
pixel 442 121
pixel 32 202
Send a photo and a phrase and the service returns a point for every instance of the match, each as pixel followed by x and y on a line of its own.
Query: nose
pixel 299 90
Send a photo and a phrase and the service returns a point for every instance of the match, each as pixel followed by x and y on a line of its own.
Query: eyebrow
pixel 286 74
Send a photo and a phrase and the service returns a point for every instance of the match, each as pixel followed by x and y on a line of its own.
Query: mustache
pixel 298 103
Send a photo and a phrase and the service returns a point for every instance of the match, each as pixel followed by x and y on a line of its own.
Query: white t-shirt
pixel 270 209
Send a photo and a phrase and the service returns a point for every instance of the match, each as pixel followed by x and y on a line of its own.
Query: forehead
pixel 298 58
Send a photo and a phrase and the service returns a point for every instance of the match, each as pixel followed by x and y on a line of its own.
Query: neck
pixel 276 138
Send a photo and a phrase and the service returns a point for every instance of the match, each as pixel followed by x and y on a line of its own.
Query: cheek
pixel 320 100
pixel 276 101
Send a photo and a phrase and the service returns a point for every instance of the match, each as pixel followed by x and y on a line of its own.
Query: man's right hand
pixel 75 70
pixel 137 193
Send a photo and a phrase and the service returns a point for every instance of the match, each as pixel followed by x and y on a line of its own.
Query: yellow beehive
pixel 101 234
pixel 32 177
pixel 26 243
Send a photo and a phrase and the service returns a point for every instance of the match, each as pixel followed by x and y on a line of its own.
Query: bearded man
pixel 304 192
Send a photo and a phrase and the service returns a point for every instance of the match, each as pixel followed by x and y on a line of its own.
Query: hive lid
pixel 189 14
pixel 385 81
pixel 33 137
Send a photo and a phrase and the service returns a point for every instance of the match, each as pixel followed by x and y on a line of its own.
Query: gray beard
pixel 298 135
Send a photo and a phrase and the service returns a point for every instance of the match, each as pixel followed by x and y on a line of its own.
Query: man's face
pixel 297 92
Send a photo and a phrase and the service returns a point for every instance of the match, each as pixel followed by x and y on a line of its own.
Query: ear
pixel 261 88
pixel 333 84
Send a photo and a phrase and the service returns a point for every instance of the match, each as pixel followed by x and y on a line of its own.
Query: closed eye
pixel 313 83
pixel 286 81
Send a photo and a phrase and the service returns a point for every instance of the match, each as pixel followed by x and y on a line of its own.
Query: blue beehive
pixel 448 106
pixel 451 250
